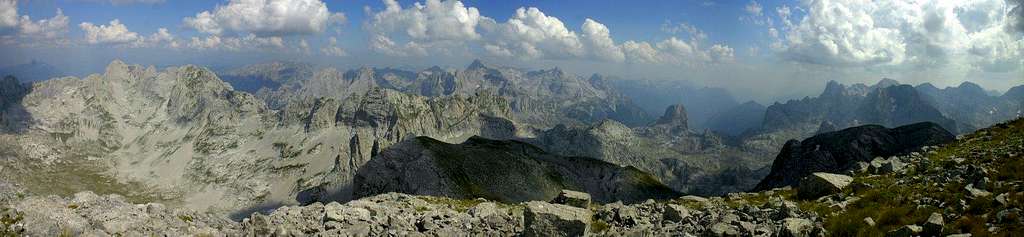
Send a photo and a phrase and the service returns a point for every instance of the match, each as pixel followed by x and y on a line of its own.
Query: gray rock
pixel 723 230
pixel 796 227
pixel 546 219
pixel 869 221
pixel 573 198
pixel 933 227
pixel 821 184
pixel 975 192
pixel 676 213
pixel 905 231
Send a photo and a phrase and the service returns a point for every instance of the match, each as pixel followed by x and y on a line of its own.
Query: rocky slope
pixel 688 161
pixel 834 152
pixel 507 171
pixel 181 135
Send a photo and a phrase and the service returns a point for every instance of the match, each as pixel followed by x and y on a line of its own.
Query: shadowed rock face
pixel 674 118
pixel 508 171
pixel 836 151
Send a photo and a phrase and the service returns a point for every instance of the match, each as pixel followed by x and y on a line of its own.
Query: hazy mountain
pixel 653 96
pixel 738 119
pixel 886 103
pixel 689 162
pixel 541 99
pixel 31 72
pixel 252 78
pixel 506 171
pixel 971 105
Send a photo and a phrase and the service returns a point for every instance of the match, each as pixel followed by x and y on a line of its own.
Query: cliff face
pixel 834 152
pixel 187 136
pixel 507 171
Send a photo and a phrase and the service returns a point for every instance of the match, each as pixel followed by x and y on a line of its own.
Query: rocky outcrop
pixel 674 119
pixel 819 184
pixel 837 151
pixel 507 171
pixel 545 219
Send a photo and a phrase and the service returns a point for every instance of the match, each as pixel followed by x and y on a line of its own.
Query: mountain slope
pixel 834 152
pixel 506 171
pixel 185 136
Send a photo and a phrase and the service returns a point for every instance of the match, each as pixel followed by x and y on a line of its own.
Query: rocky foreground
pixel 971 186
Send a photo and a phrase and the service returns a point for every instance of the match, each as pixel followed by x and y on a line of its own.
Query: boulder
pixel 546 219
pixel 723 230
pixel 675 212
pixel 933 227
pixel 573 198
pixel 905 231
pixel 820 184
pixel 797 227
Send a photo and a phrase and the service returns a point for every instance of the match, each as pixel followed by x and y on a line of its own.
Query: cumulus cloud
pixel 248 42
pixel 115 33
pixel 918 34
pixel 531 34
pixel 435 24
pixel 8 14
pixel 1016 15
pixel 755 14
pixel 332 49
pixel 266 18
pixel 451 28
pixel 15 28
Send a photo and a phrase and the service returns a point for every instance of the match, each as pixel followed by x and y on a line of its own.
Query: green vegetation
pixel 892 200
pixel 8 220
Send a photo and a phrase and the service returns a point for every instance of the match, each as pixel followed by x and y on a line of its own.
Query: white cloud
pixel 531 34
pixel 332 49
pixel 266 18
pixel 1016 21
pixel 598 38
pixel 755 14
pixel 451 28
pixel 115 33
pixel 436 25
pixel 44 32
pixel 972 34
pixel 248 42
pixel 8 14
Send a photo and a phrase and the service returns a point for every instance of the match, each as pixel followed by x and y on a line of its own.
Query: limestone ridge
pixel 507 171
pixel 539 99
pixel 838 151
pixel 185 134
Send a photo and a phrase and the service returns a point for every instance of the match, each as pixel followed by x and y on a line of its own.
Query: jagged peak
pixel 886 82
pixel 833 88
pixel 476 65
pixel 674 115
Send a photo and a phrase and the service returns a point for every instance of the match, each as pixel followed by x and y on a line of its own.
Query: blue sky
pixel 754 48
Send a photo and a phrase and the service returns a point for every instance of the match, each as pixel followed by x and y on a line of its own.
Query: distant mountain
pixel 834 152
pixel 252 78
pixel 31 72
pixel 689 162
pixel 506 171
pixel 971 105
pixel 541 99
pixel 886 103
pixel 737 120
pixel 653 96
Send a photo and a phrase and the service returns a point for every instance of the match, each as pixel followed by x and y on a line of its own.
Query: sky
pixel 760 50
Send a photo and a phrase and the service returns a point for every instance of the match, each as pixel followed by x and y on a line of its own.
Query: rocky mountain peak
pixel 1016 92
pixel 969 88
pixel 886 82
pixel 476 65
pixel 833 88
pixel 675 115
